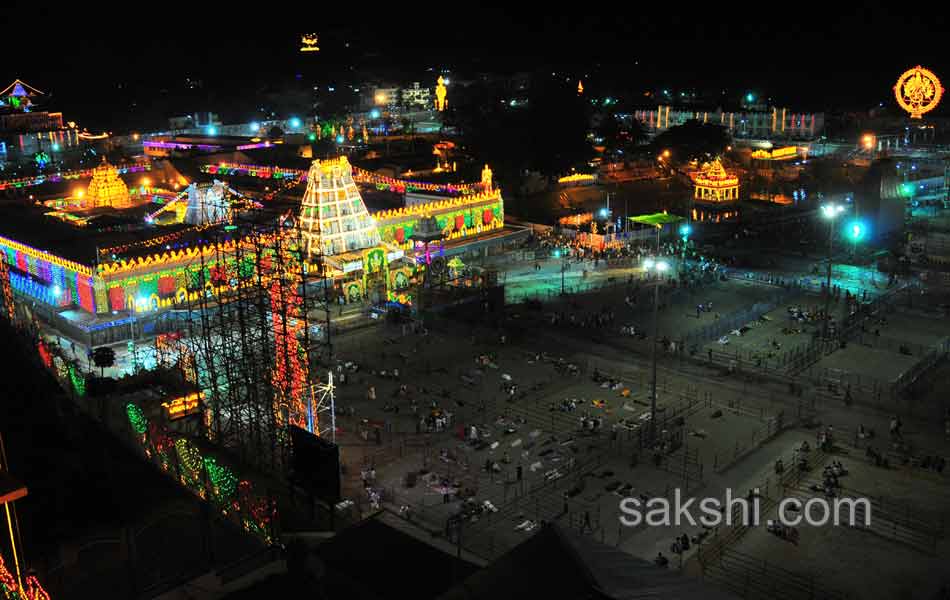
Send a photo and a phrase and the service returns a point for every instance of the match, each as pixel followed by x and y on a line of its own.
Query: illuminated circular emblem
pixel 918 91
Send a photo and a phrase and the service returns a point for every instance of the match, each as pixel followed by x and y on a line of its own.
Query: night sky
pixel 801 57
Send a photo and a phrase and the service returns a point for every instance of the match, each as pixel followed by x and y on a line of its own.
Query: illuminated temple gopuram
pixel 106 188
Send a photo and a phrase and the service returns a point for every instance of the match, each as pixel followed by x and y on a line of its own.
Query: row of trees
pixel 548 129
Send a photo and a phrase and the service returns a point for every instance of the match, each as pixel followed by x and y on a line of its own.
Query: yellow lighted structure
pixel 106 188
pixel 308 43
pixel 918 91
pixel 715 185
pixel 580 87
pixel 333 217
pixel 184 405
pixel 576 178
pixel 786 153
pixel 487 179
pixel 440 93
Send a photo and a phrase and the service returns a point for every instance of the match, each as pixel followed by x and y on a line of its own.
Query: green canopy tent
pixel 657 219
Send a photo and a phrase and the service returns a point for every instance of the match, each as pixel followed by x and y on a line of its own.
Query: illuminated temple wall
pixel 458 217
pixel 157 281
pixel 48 278
pixel 144 284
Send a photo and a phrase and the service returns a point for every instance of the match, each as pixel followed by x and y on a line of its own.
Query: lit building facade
pixel 417 96
pixel 101 281
pixel 27 132
pixel 714 185
pixel 774 123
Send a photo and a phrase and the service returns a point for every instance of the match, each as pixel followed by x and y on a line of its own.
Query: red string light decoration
pixel 31 590
pixel 290 372
pixel 6 290
pixel 45 355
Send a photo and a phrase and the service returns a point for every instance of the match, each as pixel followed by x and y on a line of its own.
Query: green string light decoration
pixel 191 465
pixel 236 498
pixel 223 481
pixel 137 418
pixel 78 381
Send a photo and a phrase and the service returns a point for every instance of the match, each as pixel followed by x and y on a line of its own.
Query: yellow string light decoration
pixel 918 91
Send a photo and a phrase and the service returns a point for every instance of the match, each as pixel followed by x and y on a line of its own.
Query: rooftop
pixel 29 225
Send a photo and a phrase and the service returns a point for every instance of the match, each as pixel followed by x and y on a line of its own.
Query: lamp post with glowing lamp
pixel 685 230
pixel 856 231
pixel 657 266
pixel 563 256
pixel 829 212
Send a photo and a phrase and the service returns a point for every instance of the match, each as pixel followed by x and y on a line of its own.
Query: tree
pixel 693 140
pixel 619 135
pixel 609 131
pixel 544 130
pixel 103 357
pixel 275 132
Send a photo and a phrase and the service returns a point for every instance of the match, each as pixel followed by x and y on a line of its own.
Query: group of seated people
pixel 830 485
pixel 680 544
pixel 591 423
pixel 566 405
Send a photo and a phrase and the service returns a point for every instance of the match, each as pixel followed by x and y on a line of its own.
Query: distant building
pixel 774 123
pixel 392 97
pixel 164 146
pixel 198 119
pixel 28 132
pixel 382 97
pixel 416 96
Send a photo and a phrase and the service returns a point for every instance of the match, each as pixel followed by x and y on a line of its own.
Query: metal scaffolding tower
pixel 249 332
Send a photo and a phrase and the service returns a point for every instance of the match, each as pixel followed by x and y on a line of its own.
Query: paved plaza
pixel 570 440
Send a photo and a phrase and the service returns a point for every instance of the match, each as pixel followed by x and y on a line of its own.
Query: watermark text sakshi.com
pixel 738 510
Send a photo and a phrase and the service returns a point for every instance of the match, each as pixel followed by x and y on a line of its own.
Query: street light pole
pixel 656 341
pixel 658 267
pixel 830 212
pixel 685 230
pixel 831 237
pixel 562 276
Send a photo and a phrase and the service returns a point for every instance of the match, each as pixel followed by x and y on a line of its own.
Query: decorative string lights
pixel 189 458
pixel 223 481
pixel 918 91
pixel 333 217
pixel 359 176
pixel 290 374
pixel 205 476
pixel 184 406
pixel 6 292
pixel 714 184
pixel 24 182
pixel 137 419
pixel 11 590
pixel 576 178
